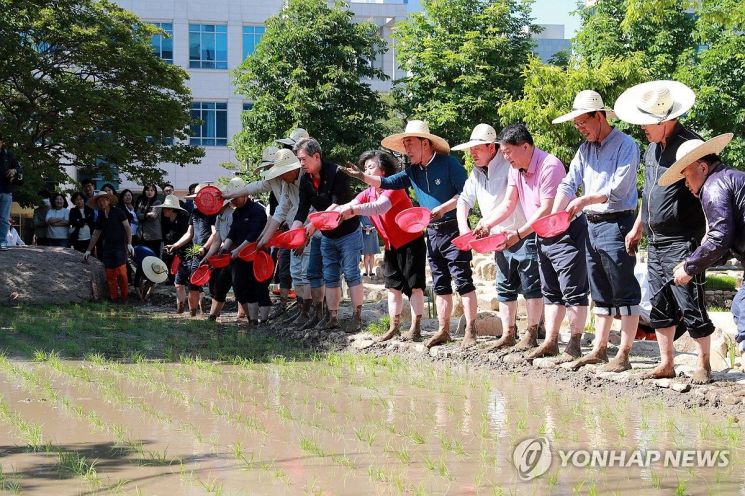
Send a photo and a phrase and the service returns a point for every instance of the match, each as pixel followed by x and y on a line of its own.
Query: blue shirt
pixel 433 184
pixel 609 169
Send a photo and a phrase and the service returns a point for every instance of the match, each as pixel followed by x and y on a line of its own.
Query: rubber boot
pixel 415 331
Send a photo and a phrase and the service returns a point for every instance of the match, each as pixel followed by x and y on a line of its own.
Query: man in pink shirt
pixel 405 253
pixel 533 181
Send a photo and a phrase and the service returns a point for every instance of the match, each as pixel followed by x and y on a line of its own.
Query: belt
pixel 441 225
pixel 607 217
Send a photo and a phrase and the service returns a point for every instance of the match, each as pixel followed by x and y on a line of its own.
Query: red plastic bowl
pixel 293 239
pixel 552 225
pixel 276 241
pixel 209 200
pixel 489 243
pixel 219 261
pixel 325 221
pixel 463 242
pixel 175 265
pixel 248 252
pixel 413 220
pixel 263 266
pixel 201 276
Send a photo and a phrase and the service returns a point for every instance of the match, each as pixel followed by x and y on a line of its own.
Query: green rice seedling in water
pixel 366 436
pixel 656 481
pixel 310 446
pixel 416 438
pixel 8 483
pixel 452 445
pixel 680 489
pixel 73 463
pixel 212 486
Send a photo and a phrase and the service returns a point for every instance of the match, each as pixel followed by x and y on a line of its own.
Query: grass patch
pixel 379 327
pixel 720 282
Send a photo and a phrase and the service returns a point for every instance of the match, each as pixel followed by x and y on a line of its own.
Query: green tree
pixel 309 71
pixel 464 59
pixel 81 86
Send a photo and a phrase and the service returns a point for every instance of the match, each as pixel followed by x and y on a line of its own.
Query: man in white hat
pixel 281 179
pixel 722 193
pixel 517 266
pixel 671 216
pixel 604 167
pixel 437 179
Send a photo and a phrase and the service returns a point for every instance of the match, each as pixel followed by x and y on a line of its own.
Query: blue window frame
pixel 208 46
pixel 213 130
pixel 251 38
pixel 163 45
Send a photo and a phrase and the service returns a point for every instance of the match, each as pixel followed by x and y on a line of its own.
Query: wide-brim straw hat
pixel 585 102
pixel 284 161
pixel 170 201
pixel 235 184
pixel 415 129
pixel 93 200
pixel 654 102
pixel 295 136
pixel 267 157
pixel 155 269
pixel 483 134
pixel 690 151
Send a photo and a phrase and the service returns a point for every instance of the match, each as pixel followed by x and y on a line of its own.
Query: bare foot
pixel 547 349
pixel 619 364
pixel 415 331
pixel 574 348
pixel 469 339
pixel 505 341
pixel 593 358
pixel 564 358
pixel 701 376
pixel 442 337
pixel 529 339
pixel 661 371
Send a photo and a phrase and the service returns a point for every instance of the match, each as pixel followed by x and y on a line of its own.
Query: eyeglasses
pixel 583 123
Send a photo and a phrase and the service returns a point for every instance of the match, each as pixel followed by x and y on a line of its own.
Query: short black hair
pixel 108 185
pixel 710 159
pixel 385 160
pixel 516 134
pixel 77 195
pixel 193 187
pixel 54 196
pixel 166 185
pixel 87 181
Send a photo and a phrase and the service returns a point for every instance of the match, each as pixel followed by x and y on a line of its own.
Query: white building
pixel 210 38
pixel 550 41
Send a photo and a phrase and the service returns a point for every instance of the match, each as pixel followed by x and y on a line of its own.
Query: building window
pixel 213 129
pixel 247 106
pixel 163 45
pixel 208 46
pixel 251 38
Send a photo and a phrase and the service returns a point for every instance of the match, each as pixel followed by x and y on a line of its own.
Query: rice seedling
pixel 367 436
pixel 212 486
pixel 452 445
pixel 9 483
pixel 75 464
pixel 311 447
pixel 438 467
pixel 415 437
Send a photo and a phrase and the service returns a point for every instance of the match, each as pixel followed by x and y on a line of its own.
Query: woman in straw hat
pixel 722 192
pixel 672 218
pixel 175 222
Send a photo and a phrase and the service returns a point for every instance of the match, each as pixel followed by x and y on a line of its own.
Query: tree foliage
pixel 309 71
pixel 81 86
pixel 464 59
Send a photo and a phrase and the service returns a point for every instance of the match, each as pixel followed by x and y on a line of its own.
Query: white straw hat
pixel 155 269
pixel 415 129
pixel 295 136
pixel 170 201
pixel 235 184
pixel 585 102
pixel 93 200
pixel 482 134
pixel 284 161
pixel 654 102
pixel 267 157
pixel 690 151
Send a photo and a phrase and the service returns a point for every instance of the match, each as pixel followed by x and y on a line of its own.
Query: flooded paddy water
pixel 337 423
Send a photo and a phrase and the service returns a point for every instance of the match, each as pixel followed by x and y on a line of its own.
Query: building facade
pixel 550 41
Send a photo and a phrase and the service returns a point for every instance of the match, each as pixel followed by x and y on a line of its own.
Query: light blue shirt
pixel 609 169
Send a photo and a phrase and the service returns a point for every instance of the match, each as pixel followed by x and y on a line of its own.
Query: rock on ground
pixel 44 275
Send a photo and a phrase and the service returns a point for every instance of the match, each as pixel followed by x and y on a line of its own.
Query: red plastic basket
pixel 248 252
pixel 414 219
pixel 325 221
pixel 463 242
pixel 552 225
pixel 488 243
pixel 209 200
pixel 201 276
pixel 263 266
pixel 219 261
pixel 293 239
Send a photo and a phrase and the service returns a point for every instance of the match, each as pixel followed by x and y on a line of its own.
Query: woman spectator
pixel 40 219
pixel 108 188
pixel 370 246
pixel 58 221
pixel 148 219
pixel 81 222
pixel 126 203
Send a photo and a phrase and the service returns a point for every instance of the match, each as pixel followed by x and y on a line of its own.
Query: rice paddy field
pixel 98 399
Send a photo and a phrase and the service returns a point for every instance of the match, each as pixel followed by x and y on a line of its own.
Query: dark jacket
pixel 334 188
pixel 723 200
pixel 78 220
pixel 669 213
pixel 8 161
pixel 248 222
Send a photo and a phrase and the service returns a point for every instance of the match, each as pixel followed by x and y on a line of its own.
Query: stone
pixel 361 344
pixel 663 383
pixel 721 339
pixel 681 387
pixel 50 275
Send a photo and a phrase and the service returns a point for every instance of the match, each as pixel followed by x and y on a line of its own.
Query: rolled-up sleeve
pixel 400 180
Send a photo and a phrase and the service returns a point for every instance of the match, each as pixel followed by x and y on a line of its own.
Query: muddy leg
pixel 506 340
pixel 393 330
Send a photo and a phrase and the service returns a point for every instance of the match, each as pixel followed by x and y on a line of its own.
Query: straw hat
pixel 585 102
pixel 93 200
pixel 295 136
pixel 267 157
pixel 284 161
pixel 155 269
pixel 481 135
pixel 654 102
pixel 170 201
pixel 235 184
pixel 690 151
pixel 416 129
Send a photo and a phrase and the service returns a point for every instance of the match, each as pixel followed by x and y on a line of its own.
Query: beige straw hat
pixel 93 200
pixel 690 151
pixel 155 269
pixel 295 136
pixel 482 134
pixel 585 102
pixel 416 129
pixel 654 102
pixel 235 184
pixel 170 201
pixel 267 157
pixel 284 161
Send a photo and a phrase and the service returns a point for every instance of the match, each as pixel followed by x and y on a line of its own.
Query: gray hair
pixel 309 145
